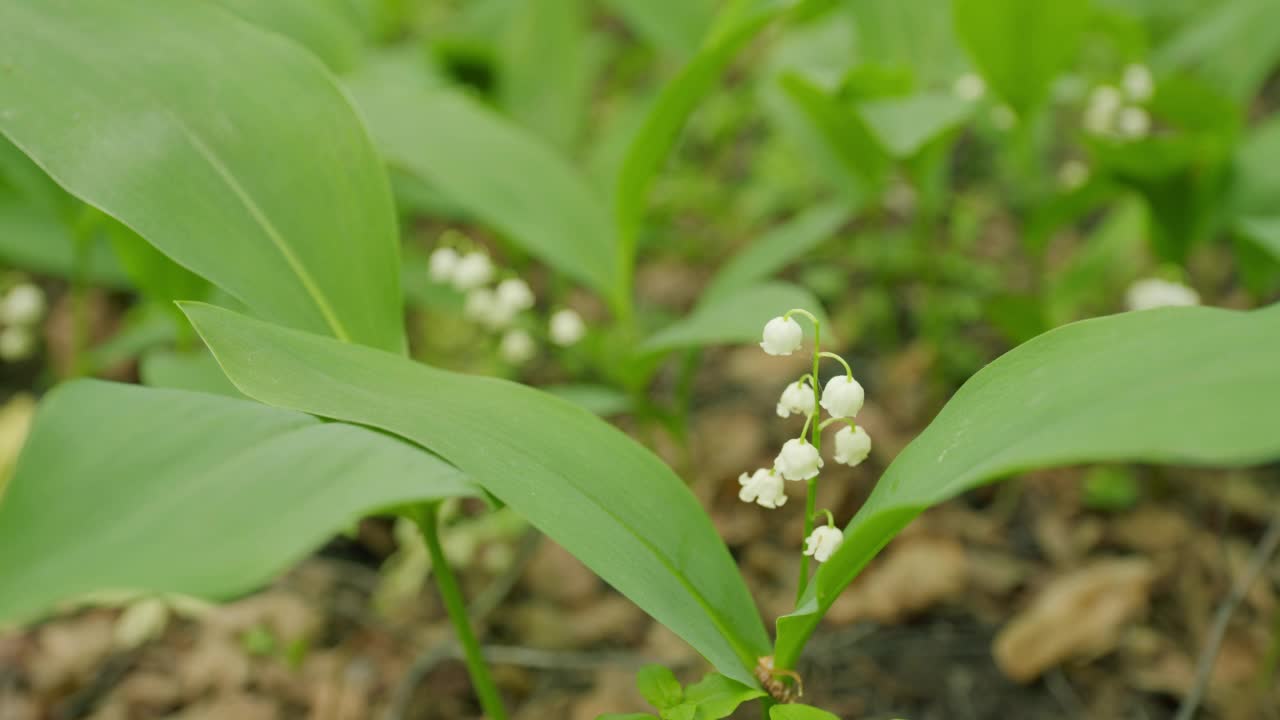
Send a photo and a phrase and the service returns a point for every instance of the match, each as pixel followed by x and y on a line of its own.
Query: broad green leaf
pixel 915 34
pixel 155 275
pixel 192 371
pixel 127 488
pixel 844 130
pixel 1173 385
pixel 905 125
pixel 597 399
pixel 589 487
pixel 328 28
pixel 34 239
pixel 712 698
pixel 800 712
pixel 197 145
pixel 1020 46
pixel 736 24
pixel 676 26
pixel 545 68
pixel 1233 45
pixel 737 316
pixel 778 247
pixel 495 171
pixel 659 686
pixel 1265 232
pixel 1256 173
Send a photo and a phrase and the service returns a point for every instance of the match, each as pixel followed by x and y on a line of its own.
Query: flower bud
pixel 1133 123
pixel 443 264
pixel 16 343
pixel 23 305
pixel 472 271
pixel 1138 83
pixel 480 305
pixel 823 542
pixel 782 336
pixel 763 487
pixel 517 347
pixel 567 327
pixel 842 397
pixel 969 87
pixel 853 445
pixel 796 398
pixel 798 460
pixel 514 294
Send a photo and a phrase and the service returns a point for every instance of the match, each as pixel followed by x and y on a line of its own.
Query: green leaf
pixel 712 698
pixel 547 40
pixel 736 24
pixel 155 275
pixel 659 686
pixel 799 712
pixel 1173 385
pixel 737 316
pixel 328 28
pixel 1233 45
pixel 778 247
pixel 676 26
pixel 599 400
pixel 193 371
pixel 915 34
pixel 492 169
pixel 34 239
pixel 905 126
pixel 1265 232
pixel 589 487
pixel 1256 172
pixel 128 488
pixel 626 716
pixel 294 218
pixel 1021 46
pixel 844 130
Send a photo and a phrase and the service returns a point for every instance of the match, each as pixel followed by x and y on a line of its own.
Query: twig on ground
pixel 1222 618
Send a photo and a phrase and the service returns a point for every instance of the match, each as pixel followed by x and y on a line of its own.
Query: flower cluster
pixel 1119 112
pixel 497 307
pixel 801 459
pixel 20 312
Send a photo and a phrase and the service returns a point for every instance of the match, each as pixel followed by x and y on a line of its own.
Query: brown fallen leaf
pixel 912 576
pixel 1078 614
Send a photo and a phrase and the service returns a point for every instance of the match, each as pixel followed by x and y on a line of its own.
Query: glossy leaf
pixel 327 28
pixel 599 400
pixel 34 239
pixel 800 712
pixel 494 170
pixel 778 248
pixel 191 371
pixel 294 218
pixel 712 698
pixel 737 316
pixel 1173 385
pixel 1021 46
pixel 593 490
pixel 659 686
pixel 189 493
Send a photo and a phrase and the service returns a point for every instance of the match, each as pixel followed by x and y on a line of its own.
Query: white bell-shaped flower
pixel 1100 113
pixel 798 460
pixel 969 87
pixel 517 347
pixel 823 542
pixel 23 305
pixel 16 343
pixel 843 397
pixel 443 264
pixel 1073 174
pixel 853 445
pixel 1155 293
pixel 480 305
pixel 1138 83
pixel 567 327
pixel 1133 123
pixel 797 399
pixel 473 270
pixel 782 336
pixel 515 294
pixel 763 487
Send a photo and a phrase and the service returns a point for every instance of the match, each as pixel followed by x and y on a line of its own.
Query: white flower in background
pixel 480 305
pixel 515 294
pixel 517 347
pixel 16 343
pixel 23 305
pixel 764 487
pixel 797 398
pixel 798 460
pixel 853 445
pixel 843 397
pixel 823 542
pixel 1073 174
pixel 1138 83
pixel 1133 123
pixel 473 270
pixel 900 198
pixel 443 264
pixel 969 86
pixel 782 336
pixel 1003 117
pixel 1154 293
pixel 1100 113
pixel 567 327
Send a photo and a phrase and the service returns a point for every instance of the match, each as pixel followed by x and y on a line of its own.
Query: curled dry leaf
pixel 1078 614
pixel 913 576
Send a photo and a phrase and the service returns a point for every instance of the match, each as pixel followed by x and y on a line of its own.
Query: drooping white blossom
pixel 1138 83
pixel 843 397
pixel 1133 123
pixel 764 488
pixel 853 445
pixel 17 342
pixel 782 336
pixel 1154 293
pixel 517 346
pixel 823 542
pixel 1100 113
pixel 443 264
pixel 796 399
pixel 472 271
pixel 1073 174
pixel 567 327
pixel 969 86
pixel 22 305
pixel 798 460
pixel 480 305
pixel 515 294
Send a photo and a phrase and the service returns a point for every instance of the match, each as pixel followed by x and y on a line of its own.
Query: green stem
pixel 811 495
pixel 481 680
pixel 848 371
